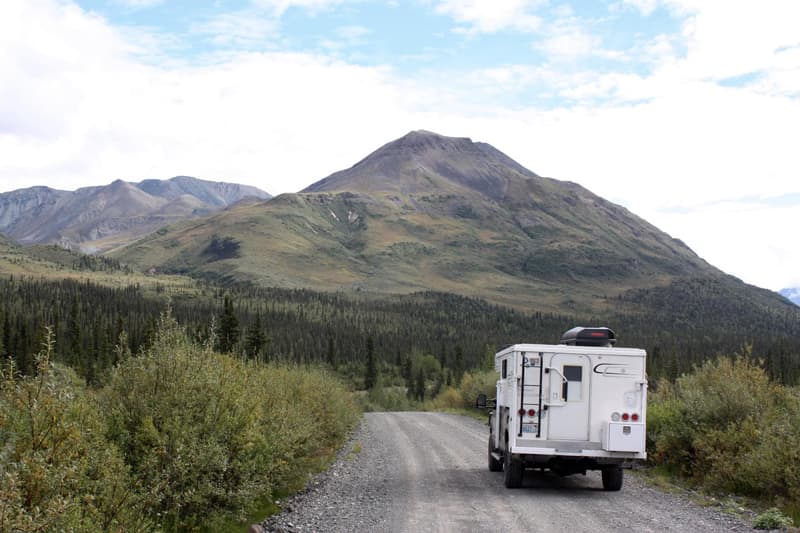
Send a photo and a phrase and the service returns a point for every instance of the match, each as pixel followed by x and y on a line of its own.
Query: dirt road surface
pixel 427 472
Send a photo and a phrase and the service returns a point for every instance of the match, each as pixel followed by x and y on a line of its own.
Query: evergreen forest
pixel 680 326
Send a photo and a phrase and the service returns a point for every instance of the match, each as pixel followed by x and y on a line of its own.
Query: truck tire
pixel 495 465
pixel 612 478
pixel 512 470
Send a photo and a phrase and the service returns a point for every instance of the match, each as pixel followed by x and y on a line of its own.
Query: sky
pixel 686 112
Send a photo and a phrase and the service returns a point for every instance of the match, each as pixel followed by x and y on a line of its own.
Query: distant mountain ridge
pixel 792 294
pixel 101 217
pixel 430 212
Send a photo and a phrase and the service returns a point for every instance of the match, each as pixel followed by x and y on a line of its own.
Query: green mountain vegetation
pixel 54 263
pixel 427 212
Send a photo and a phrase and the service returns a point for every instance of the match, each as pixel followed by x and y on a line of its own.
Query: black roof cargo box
pixel 582 336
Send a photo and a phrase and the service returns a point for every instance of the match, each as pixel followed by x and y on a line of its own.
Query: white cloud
pixel 566 41
pixel 745 239
pixel 646 7
pixel 278 7
pixel 82 109
pixel 243 29
pixel 490 16
pixel 727 39
pixel 138 3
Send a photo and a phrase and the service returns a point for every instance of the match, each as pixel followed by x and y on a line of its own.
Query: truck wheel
pixel 512 470
pixel 612 478
pixel 495 465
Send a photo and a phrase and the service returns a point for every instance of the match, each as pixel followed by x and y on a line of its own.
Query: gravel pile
pixel 353 495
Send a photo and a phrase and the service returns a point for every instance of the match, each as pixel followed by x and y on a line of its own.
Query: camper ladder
pixel 533 388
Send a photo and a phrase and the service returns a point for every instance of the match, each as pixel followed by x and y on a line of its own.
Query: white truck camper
pixel 570 407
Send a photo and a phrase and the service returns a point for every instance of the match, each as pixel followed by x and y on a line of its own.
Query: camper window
pixel 504 373
pixel 574 382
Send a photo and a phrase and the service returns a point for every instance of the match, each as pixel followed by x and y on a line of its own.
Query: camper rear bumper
pixel 545 450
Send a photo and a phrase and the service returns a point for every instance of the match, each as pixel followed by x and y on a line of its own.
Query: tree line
pixel 351 332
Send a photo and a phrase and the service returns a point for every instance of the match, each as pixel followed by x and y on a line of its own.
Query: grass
pixel 295 241
pixel 19 262
pixel 352 455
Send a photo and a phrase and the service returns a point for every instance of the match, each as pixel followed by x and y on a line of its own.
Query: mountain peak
pixel 412 163
pixel 424 140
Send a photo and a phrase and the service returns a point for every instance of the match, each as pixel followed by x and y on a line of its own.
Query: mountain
pixel 99 218
pixel 443 213
pixel 792 294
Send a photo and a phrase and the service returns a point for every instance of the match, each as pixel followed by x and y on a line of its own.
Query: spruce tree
pixel 331 357
pixel 419 385
pixel 371 373
pixel 75 337
pixel 256 341
pixel 406 368
pixel 228 335
pixel 458 366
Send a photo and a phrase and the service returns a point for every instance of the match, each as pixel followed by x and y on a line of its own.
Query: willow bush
pixel 204 431
pixel 463 396
pixel 57 470
pixel 177 438
pixel 728 427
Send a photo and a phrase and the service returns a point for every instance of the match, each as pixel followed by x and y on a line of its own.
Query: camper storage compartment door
pixel 623 437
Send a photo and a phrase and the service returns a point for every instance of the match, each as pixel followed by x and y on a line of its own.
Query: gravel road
pixel 420 472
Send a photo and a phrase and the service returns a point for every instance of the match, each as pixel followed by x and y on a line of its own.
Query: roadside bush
pixel 463 397
pixel 57 471
pixel 728 427
pixel 183 419
pixel 385 397
pixel 305 413
pixel 772 519
pixel 206 433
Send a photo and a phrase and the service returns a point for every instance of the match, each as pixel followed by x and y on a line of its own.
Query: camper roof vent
pixel 581 336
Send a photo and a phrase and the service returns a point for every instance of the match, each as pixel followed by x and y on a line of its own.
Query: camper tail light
pixel 529 412
pixel 616 417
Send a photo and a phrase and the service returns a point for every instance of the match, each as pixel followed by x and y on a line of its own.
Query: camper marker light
pixel 615 416
pixel 625 417
pixel 634 417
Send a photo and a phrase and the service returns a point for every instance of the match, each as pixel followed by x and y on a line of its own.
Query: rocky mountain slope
pixel 99 218
pixel 433 212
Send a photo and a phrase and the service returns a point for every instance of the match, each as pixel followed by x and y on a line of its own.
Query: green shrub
pixel 384 397
pixel 772 519
pixel 463 397
pixel 728 427
pixel 207 433
pixel 57 471
pixel 305 412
